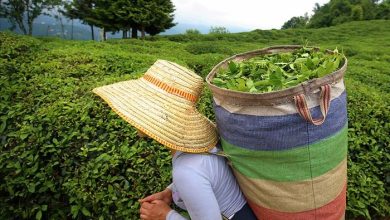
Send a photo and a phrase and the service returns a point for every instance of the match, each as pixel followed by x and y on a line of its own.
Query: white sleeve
pixel 173 215
pixel 170 186
pixel 196 191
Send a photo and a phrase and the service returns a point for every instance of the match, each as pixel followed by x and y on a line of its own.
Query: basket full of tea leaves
pixel 281 114
pixel 272 72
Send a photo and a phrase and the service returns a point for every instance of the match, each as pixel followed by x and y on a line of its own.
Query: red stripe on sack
pixel 304 108
pixel 331 211
pixel 298 103
pixel 169 89
pixel 322 100
pixel 296 99
pixel 327 98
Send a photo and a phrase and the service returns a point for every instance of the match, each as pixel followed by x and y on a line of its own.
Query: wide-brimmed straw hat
pixel 162 104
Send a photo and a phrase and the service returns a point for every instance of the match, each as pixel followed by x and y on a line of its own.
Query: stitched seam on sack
pixel 311 170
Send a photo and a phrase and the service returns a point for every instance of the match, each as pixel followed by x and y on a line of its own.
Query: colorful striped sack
pixel 288 148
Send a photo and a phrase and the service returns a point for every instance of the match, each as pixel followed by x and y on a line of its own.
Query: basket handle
pixel 303 110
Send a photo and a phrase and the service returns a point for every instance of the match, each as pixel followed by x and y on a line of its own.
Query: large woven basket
pixel 288 148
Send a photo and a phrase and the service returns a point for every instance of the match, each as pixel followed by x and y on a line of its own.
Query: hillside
pixel 65 154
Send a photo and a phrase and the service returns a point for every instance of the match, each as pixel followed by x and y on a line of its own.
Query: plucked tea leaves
pixel 273 72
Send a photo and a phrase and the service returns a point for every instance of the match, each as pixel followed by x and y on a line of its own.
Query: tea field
pixel 64 154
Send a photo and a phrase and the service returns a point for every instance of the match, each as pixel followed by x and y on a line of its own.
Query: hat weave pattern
pixel 162 105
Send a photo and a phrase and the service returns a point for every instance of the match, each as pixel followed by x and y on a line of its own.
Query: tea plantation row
pixel 64 154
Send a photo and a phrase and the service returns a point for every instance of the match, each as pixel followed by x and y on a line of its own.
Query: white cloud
pixel 247 14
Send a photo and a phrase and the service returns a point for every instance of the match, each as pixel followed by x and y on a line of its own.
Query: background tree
pixel 218 30
pixel 321 16
pixel 105 18
pixel 163 17
pixel 152 16
pixel 192 31
pixel 339 11
pixel 383 11
pixel 122 10
pixel 296 22
pixel 147 16
pixel 22 13
pixel 82 10
pixel 357 13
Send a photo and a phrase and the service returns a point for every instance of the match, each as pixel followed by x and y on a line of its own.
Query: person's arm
pixel 195 190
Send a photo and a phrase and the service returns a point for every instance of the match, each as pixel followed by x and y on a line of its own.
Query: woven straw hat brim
pixel 167 118
pixel 185 80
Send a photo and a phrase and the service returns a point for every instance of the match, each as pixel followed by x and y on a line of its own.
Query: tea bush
pixel 368 157
pixel 64 154
pixel 207 47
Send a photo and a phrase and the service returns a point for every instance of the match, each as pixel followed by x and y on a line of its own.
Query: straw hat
pixel 162 105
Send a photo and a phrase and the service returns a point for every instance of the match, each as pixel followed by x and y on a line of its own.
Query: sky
pixel 242 14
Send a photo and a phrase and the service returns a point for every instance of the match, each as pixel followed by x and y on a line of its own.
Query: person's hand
pixel 165 196
pixel 155 210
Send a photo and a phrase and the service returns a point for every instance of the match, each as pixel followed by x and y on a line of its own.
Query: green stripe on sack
pixel 298 164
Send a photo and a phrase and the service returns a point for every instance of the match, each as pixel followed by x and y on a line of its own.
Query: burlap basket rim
pixel 275 97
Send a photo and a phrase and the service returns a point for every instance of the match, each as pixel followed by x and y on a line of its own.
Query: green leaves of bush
pixel 207 47
pixel 64 153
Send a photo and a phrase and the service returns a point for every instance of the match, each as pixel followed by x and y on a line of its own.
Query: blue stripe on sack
pixel 279 132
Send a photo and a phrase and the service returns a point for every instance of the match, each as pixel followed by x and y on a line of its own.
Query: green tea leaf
pixel 276 79
pixel 241 85
pixel 231 84
pixel 315 61
pixel 85 211
pixel 218 82
pixel 262 83
pixel 249 83
pixel 31 187
pixel 253 89
pixel 38 216
pixel 232 67
pixel 74 210
pixel 3 125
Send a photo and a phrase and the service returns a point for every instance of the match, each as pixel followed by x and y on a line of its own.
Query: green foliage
pixel 207 47
pixel 218 30
pixel 202 64
pixel 277 71
pixel 152 16
pixel 64 154
pixel 341 11
pixel 192 31
pixel 357 13
pixel 296 22
pixel 368 159
pixel 383 10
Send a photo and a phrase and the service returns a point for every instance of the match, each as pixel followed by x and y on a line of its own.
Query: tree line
pixel 340 11
pixel 129 16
